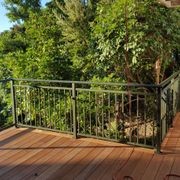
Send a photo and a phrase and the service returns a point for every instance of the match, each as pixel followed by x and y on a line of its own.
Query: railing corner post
pixel 74 110
pixel 178 106
pixel 158 136
pixel 13 103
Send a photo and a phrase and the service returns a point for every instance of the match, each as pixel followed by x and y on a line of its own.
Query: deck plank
pixel 175 171
pixel 142 165
pixel 165 167
pixel 32 154
pixel 129 166
pixel 40 162
pixel 13 135
pixel 73 162
pixel 118 164
pixel 7 132
pixel 94 163
pixel 79 167
pixel 153 167
pixel 20 157
pixel 28 165
pixel 60 161
pixel 23 143
pixel 52 159
pixel 108 162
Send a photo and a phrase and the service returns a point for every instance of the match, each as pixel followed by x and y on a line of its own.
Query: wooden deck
pixel 33 154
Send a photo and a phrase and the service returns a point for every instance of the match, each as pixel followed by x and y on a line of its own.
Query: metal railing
pixel 170 102
pixel 138 114
pixel 6 119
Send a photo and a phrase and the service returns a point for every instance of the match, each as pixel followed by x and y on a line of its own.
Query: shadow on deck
pixel 35 154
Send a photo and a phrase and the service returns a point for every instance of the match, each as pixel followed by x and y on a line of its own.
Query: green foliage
pixel 45 55
pixel 103 38
pixel 18 10
pixel 132 36
pixel 35 49
pixel 5 105
pixel 74 19
pixel 48 108
pixel 100 40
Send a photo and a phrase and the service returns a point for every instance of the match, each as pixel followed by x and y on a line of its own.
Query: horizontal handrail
pixel 168 80
pixel 43 87
pixel 4 80
pixel 162 84
pixel 89 82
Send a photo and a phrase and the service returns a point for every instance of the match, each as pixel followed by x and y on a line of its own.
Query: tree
pixel 12 42
pixel 45 55
pixel 133 37
pixel 18 10
pixel 111 39
pixel 35 49
pixel 74 19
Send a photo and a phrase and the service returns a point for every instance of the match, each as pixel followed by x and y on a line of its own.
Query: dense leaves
pixel 136 36
pixel 35 49
pixel 94 40
pixel 18 10
pixel 85 40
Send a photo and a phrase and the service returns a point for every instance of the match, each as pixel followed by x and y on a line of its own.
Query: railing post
pixel 74 110
pixel 158 136
pixel 13 102
pixel 178 94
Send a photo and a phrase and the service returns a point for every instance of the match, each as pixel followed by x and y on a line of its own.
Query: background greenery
pixel 95 40
pixel 84 40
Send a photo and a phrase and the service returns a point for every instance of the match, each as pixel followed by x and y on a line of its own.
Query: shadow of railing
pixel 14 137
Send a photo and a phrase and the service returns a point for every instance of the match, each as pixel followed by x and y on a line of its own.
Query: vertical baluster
pixel 137 114
pixel 158 135
pixel 102 115
pixel 116 115
pixel 122 100
pixel 59 112
pixel 96 108
pixel 153 137
pixel 54 109
pixel 84 119
pixel 109 114
pixel 71 111
pixel 49 110
pixel 74 110
pixel 123 118
pixel 145 120
pixel 45 108
pixel 25 105
pixel 34 101
pixel 30 113
pixel 20 113
pixel 130 116
pixel 78 112
pixel 65 107
pixel 90 120
pixel 13 96
pixel 39 107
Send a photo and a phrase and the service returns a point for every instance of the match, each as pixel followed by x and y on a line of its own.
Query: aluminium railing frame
pixel 96 103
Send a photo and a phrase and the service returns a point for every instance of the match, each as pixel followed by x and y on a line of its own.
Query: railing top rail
pixel 168 80
pixel 89 82
pixel 4 80
pixel 162 84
